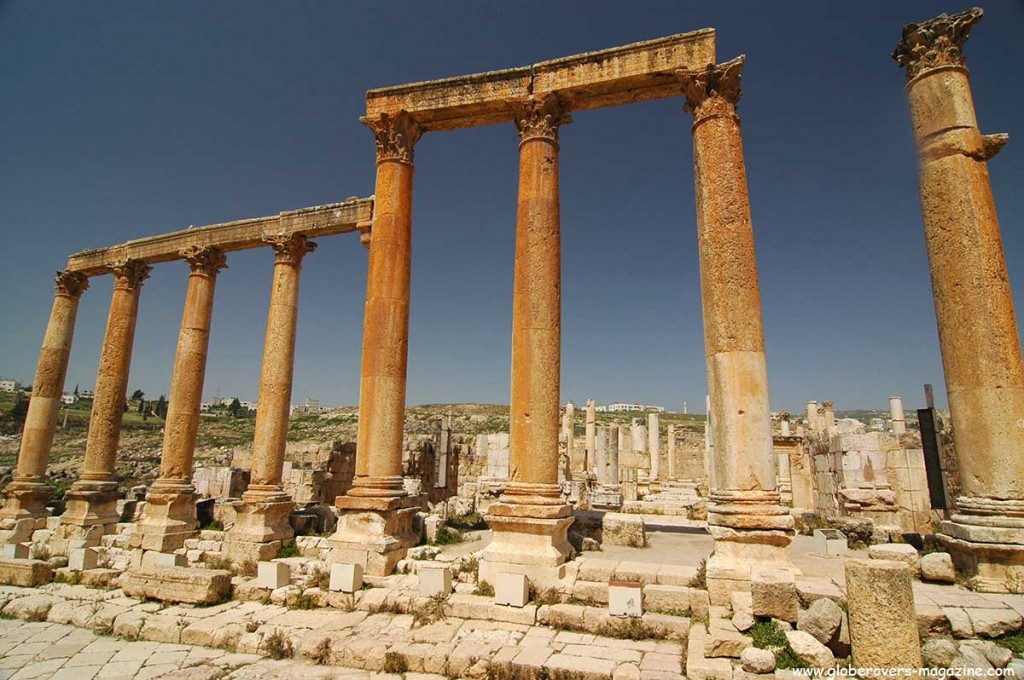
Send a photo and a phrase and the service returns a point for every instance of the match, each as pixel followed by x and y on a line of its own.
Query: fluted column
pixel 92 499
pixel 375 523
pixel 262 525
pixel 532 512
pixel 170 513
pixel 974 310
pixel 28 491
pixel 745 516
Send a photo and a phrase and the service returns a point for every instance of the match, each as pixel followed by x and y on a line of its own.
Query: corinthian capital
pixel 539 117
pixel 129 274
pixel 936 42
pixel 70 283
pixel 395 136
pixel 204 259
pixel 714 91
pixel 290 248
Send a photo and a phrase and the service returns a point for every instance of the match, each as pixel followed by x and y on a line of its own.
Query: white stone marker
pixel 830 542
pixel 346 578
pixel 512 590
pixel 81 559
pixel 272 575
pixel 625 598
pixel 16 551
pixel 435 579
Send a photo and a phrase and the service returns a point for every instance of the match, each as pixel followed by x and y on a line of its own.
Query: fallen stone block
pixel 25 573
pixel 698 666
pixel 938 567
pixel 897 552
pixel 621 529
pixel 993 623
pixel 31 607
pixel 178 584
pixel 756 660
pixel 822 620
pixel 725 643
pixel 809 650
pixel 773 593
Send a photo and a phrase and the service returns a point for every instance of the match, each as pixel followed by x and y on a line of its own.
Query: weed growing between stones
pixel 766 634
pixel 215 561
pixel 72 578
pixel 484 588
pixel 321 578
pixel 447 536
pixel 248 568
pixel 431 612
pixel 278 646
pixel 290 550
pixel 322 652
pixel 547 596
pixel 471 521
pixel 305 600
pixel 40 552
pixel 1014 642
pixel 700 579
pixel 395 663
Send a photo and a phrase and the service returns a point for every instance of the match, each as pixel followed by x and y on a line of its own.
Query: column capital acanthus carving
pixel 539 117
pixel 395 135
pixel 205 260
pixel 290 248
pixel 70 283
pixel 715 91
pixel 129 274
pixel 936 42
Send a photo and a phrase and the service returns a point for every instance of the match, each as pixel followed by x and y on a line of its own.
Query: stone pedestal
pixel 168 519
pixel 374 533
pixel 261 525
pixel 745 515
pixel 977 325
pixel 28 492
pixel 528 538
pixel 89 503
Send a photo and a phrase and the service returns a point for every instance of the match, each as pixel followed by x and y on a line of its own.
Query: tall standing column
pixel 28 492
pixel 608 494
pixel 262 527
pixel 977 325
pixel 577 461
pixel 671 436
pixel 654 444
pixel 92 500
pixel 531 520
pixel 812 415
pixel 745 516
pixel 375 523
pixel 591 429
pixel 169 516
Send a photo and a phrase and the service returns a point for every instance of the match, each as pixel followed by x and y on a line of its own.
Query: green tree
pixel 235 408
pixel 161 407
pixel 19 412
pixel 138 395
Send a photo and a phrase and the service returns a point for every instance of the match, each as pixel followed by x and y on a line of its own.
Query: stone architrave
pixel 92 499
pixel 978 337
pixel 28 491
pixel 375 516
pixel 261 525
pixel 590 433
pixel 745 514
pixel 169 516
pixel 671 451
pixel 654 444
pixel 531 520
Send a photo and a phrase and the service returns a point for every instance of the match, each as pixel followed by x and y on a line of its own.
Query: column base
pixel 750 528
pixel 530 536
pixel 374 532
pixel 989 549
pixel 168 519
pixel 91 503
pixel 26 498
pixel 261 525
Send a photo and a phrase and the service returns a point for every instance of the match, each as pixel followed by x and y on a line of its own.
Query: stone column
pixel 531 519
pixel 608 494
pixel 745 515
pixel 169 516
pixel 261 527
pixel 92 500
pixel 28 491
pixel 654 444
pixel 828 422
pixel 672 452
pixel 577 461
pixel 590 432
pixel 973 303
pixel 883 621
pixel 784 423
pixel 899 424
pixel 375 522
pixel 812 415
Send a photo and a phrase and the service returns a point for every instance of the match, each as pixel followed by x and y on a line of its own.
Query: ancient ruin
pixel 620 542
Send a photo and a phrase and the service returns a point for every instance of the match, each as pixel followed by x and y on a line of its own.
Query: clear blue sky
pixel 125 119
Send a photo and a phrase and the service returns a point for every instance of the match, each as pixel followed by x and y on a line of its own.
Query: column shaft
pixel 977 325
pixel 92 499
pixel 386 325
pixel 28 493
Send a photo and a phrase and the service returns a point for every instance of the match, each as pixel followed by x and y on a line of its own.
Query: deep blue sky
pixel 124 119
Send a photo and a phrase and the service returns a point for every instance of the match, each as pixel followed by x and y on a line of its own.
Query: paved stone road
pixel 52 650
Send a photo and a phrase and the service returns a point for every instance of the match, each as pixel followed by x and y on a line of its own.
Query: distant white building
pixel 69 398
pixel 7 385
pixel 620 407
